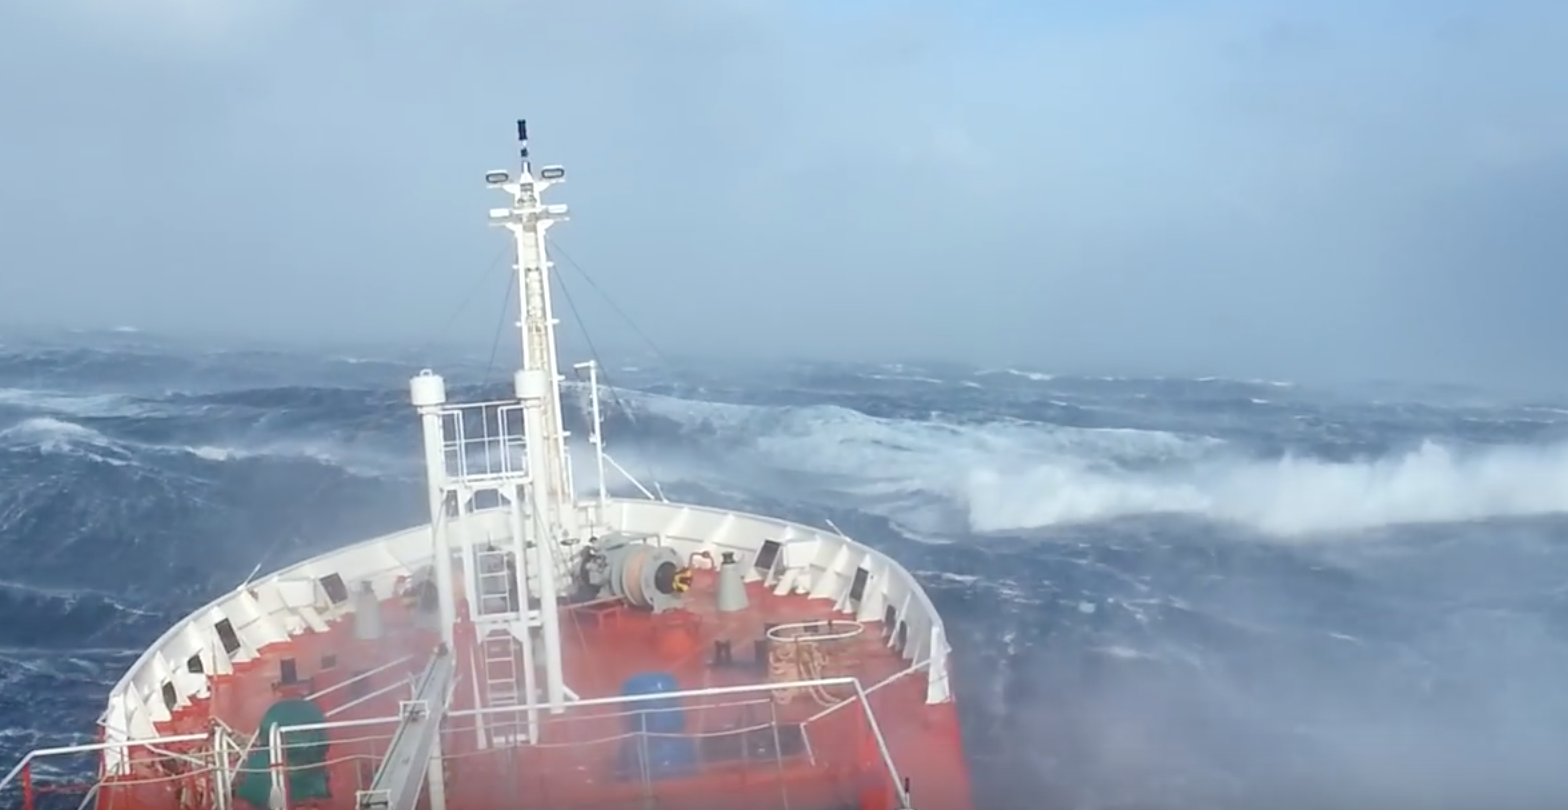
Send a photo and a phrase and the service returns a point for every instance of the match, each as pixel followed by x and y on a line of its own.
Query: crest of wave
pixel 1288 496
pixel 1009 475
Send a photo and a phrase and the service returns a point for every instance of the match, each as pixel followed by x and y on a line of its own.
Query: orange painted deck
pixel 749 752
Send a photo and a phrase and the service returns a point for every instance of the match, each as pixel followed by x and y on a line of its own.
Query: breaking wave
pixel 947 475
pixel 1292 495
pixel 938 474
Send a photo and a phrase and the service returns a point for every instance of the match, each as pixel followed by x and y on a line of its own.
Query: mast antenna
pixel 522 145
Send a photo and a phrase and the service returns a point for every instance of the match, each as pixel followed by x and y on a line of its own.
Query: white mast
pixel 548 493
pixel 517 449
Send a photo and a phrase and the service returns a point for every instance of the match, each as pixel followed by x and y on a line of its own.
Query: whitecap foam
pixel 1290 496
pixel 1033 376
pixel 1011 475
pixel 364 461
pixel 51 435
pixel 60 402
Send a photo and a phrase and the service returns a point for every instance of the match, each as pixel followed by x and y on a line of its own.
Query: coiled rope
pixel 799 653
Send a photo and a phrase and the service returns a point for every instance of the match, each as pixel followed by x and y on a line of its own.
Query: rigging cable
pixel 500 326
pixel 604 373
pixel 292 536
pixel 468 298
pixel 607 299
pixel 593 352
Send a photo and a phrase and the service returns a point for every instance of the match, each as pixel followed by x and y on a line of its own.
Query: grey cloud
pixel 1334 190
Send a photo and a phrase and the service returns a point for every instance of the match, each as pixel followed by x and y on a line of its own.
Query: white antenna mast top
pixel 538 381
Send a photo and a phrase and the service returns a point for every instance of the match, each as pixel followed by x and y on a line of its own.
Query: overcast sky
pixel 1248 187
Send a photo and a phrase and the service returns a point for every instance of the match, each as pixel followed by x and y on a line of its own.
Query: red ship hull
pixel 764 748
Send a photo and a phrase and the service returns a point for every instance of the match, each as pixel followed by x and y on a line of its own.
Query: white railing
pixel 22 779
pixel 220 757
pixel 483 440
pixel 214 760
pixel 723 691
pixel 865 694
pixel 367 674
pixel 278 742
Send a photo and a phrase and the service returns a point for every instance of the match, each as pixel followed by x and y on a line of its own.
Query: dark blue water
pixel 1163 593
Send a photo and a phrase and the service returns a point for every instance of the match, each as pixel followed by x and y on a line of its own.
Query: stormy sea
pixel 1162 593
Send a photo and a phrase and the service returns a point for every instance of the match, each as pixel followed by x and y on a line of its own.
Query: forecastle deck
pixel 761 747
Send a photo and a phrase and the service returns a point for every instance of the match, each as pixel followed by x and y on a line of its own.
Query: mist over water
pixel 1162 593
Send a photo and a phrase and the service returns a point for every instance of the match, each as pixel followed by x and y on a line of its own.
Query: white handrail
pixel 633 479
pixel 710 691
pixel 357 678
pixel 887 755
pixel 277 742
pixel 92 793
pixel 408 682
pixel 907 671
pixel 88 748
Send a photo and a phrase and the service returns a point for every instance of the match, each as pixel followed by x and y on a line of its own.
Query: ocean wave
pixel 935 472
pixel 941 475
pixel 1104 550
pixel 1289 496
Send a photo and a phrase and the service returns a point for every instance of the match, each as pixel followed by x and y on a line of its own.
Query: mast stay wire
pixel 593 351
pixel 468 298
pixel 608 300
pixel 500 325
pixel 604 373
pixel 292 536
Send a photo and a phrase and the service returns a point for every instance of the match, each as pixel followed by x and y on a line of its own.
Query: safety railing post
pixel 277 756
pixel 778 749
pixel 27 786
pixel 222 777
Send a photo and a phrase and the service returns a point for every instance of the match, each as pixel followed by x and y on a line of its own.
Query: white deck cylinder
pixel 427 390
pixel 367 614
pixel 732 588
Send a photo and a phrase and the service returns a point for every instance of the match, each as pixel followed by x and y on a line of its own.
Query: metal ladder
pixel 501 671
pixel 496 583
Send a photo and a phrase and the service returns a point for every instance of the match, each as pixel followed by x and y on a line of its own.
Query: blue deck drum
pixel 657 747
pixel 658 716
